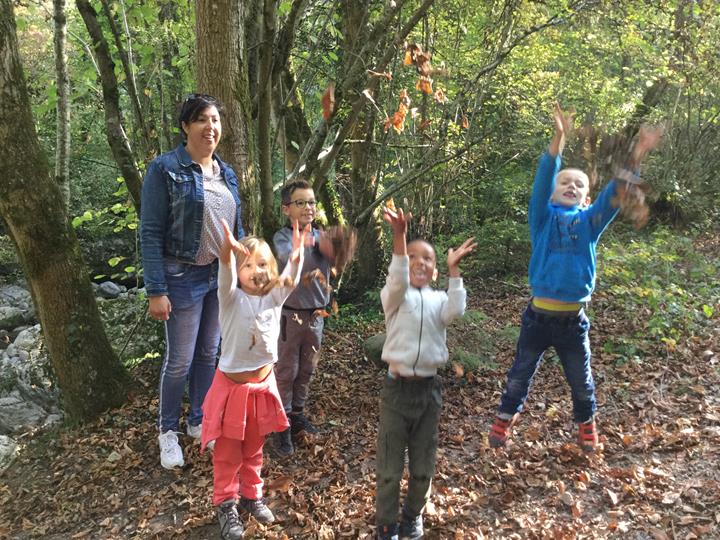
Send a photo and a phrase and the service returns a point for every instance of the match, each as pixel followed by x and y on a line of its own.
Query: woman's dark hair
pixel 193 106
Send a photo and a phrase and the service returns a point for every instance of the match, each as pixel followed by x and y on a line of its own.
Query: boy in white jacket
pixel 416 318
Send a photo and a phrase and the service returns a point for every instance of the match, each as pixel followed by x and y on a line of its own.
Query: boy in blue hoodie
pixel 564 230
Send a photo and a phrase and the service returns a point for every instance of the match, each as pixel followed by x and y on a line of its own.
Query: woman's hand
pixel 160 308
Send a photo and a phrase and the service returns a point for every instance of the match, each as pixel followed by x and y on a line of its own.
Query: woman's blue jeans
pixel 569 336
pixel 192 336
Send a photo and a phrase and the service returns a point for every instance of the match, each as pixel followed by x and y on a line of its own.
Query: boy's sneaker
pixel 387 532
pixel 194 431
pixel 231 528
pixel 300 423
pixel 411 527
pixel 282 444
pixel 500 431
pixel 587 436
pixel 171 454
pixel 257 509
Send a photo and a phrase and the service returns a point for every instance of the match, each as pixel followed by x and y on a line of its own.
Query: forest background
pixel 443 106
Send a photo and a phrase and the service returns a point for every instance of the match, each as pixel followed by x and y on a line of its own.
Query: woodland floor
pixel 658 476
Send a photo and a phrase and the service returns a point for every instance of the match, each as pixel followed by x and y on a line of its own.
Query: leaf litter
pixel 656 477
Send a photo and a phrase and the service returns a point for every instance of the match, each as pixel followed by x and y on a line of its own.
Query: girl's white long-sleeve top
pixel 416 321
pixel 249 324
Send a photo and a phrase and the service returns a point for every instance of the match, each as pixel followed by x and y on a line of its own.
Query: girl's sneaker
pixel 587 436
pixel 171 455
pixel 500 430
pixel 194 431
pixel 257 509
pixel 231 528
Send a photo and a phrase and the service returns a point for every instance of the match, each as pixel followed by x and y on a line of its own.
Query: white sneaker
pixel 170 452
pixel 194 431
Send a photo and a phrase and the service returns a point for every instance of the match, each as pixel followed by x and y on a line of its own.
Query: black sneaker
pixel 387 532
pixel 231 527
pixel 411 527
pixel 282 444
pixel 257 509
pixel 300 423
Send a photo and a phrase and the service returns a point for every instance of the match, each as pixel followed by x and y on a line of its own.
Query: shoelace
pixel 231 518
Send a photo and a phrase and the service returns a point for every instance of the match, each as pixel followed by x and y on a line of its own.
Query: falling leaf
pixel 439 96
pixel 297 318
pixel 465 123
pixel 390 204
pixel 424 84
pixel 424 124
pixel 320 313
pixel 368 95
pixel 327 101
pixel 458 369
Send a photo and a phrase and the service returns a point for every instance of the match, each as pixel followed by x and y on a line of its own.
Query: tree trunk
pixel 170 87
pixel 119 143
pixel 363 183
pixel 62 146
pixel 268 220
pixel 89 373
pixel 149 149
pixel 222 72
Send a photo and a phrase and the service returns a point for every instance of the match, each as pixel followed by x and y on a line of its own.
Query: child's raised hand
pixel 300 239
pixel 231 243
pixel 564 120
pixel 456 255
pixel 397 219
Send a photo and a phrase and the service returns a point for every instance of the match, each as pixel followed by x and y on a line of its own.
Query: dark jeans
pixel 569 336
pixel 409 415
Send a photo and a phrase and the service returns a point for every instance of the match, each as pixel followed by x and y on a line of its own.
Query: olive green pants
pixel 409 414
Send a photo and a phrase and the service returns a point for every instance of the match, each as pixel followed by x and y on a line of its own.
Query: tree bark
pixel 222 72
pixel 119 143
pixel 363 184
pixel 62 140
pixel 268 220
pixel 170 87
pixel 89 373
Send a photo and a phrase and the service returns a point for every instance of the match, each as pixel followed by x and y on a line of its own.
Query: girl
pixel 243 405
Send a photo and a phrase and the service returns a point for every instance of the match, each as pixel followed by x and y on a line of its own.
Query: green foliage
pixel 476 340
pixel 672 287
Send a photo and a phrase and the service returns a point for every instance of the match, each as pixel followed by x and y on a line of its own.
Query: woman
pixel 186 193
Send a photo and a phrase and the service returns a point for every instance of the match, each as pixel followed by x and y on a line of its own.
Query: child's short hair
pixel 571 170
pixel 424 241
pixel 255 245
pixel 289 189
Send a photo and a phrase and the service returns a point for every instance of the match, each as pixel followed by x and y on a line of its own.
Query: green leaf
pixel 114 261
pixel 708 311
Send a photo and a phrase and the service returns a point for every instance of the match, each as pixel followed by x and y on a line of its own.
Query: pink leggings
pixel 237 464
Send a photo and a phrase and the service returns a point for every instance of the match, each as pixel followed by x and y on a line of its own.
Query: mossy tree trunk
pixel 222 71
pixel 89 373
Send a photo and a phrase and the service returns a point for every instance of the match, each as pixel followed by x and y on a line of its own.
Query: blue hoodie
pixel 562 265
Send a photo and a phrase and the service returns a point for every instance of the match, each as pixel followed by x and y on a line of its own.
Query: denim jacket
pixel 171 214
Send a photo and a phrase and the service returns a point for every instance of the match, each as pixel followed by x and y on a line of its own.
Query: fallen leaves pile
pixel 657 477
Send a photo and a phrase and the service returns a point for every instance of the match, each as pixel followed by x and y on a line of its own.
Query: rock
pixel 708 354
pixel 17 298
pixel 8 448
pixel 29 397
pixel 18 414
pixel 108 289
pixel 11 317
pixel 373 347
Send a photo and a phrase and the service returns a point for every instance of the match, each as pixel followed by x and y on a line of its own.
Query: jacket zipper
pixel 422 313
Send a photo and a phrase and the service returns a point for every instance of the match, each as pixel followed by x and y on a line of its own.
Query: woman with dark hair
pixel 185 195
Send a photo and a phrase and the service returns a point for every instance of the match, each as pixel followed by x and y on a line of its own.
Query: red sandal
pixel 500 431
